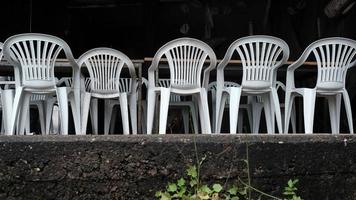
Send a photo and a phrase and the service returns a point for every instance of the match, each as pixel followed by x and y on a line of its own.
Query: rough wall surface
pixel 135 167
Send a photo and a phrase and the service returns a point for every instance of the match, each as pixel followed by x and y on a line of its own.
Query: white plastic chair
pixel 33 56
pixel 334 56
pixel 261 56
pixel 104 66
pixel 186 58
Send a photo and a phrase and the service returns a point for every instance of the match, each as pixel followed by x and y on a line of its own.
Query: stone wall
pixel 135 167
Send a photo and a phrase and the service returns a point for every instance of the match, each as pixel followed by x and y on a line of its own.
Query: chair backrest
pixel 33 55
pixel 186 58
pixel 334 56
pixel 260 56
pixel 104 66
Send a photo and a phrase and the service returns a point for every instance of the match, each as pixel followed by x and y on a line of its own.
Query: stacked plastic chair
pixel 334 56
pixel 186 58
pixel 261 56
pixel 33 56
pixel 104 66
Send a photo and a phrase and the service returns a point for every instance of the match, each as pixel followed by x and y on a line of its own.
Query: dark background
pixel 139 27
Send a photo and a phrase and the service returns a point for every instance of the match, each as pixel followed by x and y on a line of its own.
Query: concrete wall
pixel 135 167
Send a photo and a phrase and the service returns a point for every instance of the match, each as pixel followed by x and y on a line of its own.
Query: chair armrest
pixel 206 74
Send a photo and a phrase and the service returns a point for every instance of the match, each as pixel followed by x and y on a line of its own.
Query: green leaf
pixel 235 198
pixel 158 194
pixel 203 195
pixel 193 183
pixel 243 192
pixel 217 187
pixel 181 192
pixel 290 183
pixel 192 171
pixel 172 187
pixel 233 190
pixel 181 182
pixel 288 193
pixel 296 198
pixel 205 189
pixel 165 196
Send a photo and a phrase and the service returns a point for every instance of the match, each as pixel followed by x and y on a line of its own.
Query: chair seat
pixel 105 95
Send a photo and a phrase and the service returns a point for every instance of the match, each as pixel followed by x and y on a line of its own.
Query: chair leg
pixel 113 120
pixel 94 115
pixel 124 113
pixel 165 95
pixel 338 109
pixel 309 96
pixel 76 106
pixel 333 113
pixel 268 113
pixel 108 106
pixel 276 110
pixel 16 109
pixel 48 113
pixel 293 119
pixel 41 113
pixel 144 117
pixel 24 113
pixel 249 116
pixel 204 112
pixel 240 122
pixel 86 97
pixel 55 120
pixel 185 115
pixel 220 113
pixel 348 110
pixel 288 105
pixel 133 112
pixel 235 94
pixel 194 118
pixel 28 121
pixel 217 101
pixel 7 100
pixel 256 113
pixel 151 101
pixel 63 109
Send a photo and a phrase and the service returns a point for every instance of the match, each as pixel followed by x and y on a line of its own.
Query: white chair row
pixel 190 62
pixel 261 56
pixel 33 57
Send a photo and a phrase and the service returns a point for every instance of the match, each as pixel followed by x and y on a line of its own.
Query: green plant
pixel 193 189
pixel 290 190
pixel 189 189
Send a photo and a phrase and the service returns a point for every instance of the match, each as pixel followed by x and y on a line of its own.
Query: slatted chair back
pixel 334 56
pixel 33 56
pixel 186 58
pixel 260 56
pixel 104 66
